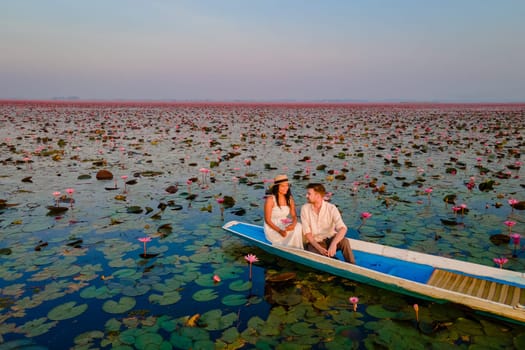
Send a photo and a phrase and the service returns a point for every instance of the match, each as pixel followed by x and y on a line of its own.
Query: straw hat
pixel 279 179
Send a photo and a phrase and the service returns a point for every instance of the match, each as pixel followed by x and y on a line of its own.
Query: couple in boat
pixel 321 224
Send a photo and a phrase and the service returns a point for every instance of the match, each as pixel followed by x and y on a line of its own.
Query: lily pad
pixel 240 285
pixel 167 298
pixel 124 304
pixel 37 327
pixel 66 311
pixel 234 300
pixel 205 295
pixel 216 321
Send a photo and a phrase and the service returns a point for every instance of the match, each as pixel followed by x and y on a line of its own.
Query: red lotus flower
pixel 501 261
pixel 354 300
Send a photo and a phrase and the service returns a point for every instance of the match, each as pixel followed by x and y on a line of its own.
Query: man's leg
pixel 311 248
pixel 344 246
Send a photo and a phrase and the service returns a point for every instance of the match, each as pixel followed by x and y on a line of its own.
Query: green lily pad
pixel 240 285
pixel 205 280
pixel 94 292
pixel 112 325
pixel 205 295
pixel 128 274
pixel 378 311
pixel 234 300
pixel 167 298
pixel 123 305
pixel 216 321
pixel 148 341
pixel 37 327
pixel 87 337
pixel 301 328
pixel 135 290
pixel 229 272
pixel 66 311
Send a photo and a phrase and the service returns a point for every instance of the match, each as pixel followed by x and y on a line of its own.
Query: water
pixel 119 299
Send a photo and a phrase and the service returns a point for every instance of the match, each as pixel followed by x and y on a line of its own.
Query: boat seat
pixel 481 288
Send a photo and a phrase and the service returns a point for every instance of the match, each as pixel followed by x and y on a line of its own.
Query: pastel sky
pixel 408 50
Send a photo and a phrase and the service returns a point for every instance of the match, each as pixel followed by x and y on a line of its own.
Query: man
pixel 323 226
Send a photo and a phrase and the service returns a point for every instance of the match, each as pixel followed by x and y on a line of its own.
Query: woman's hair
pixel 317 187
pixel 288 195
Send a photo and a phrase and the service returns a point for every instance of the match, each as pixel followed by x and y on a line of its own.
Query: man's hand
pixel 332 250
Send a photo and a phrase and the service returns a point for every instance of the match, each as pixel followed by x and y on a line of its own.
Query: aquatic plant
pixel 124 178
pixel 56 194
pixel 354 300
pixel 512 203
pixel 70 192
pixel 501 261
pixel 509 224
pixel 364 216
pixel 428 191
pixel 145 240
pixel 516 242
pixel 250 258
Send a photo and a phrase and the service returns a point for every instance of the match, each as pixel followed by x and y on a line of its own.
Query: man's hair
pixel 317 187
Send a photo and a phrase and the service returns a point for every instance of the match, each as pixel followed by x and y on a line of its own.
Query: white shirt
pixel 324 225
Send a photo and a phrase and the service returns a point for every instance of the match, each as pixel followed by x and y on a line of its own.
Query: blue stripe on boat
pixel 394 267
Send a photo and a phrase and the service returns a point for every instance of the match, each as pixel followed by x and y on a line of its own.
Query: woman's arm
pixel 268 206
pixel 293 214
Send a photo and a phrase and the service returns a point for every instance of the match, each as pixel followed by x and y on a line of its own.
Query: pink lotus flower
pixel 428 190
pixel 515 238
pixel 365 215
pixel 70 192
pixel 501 261
pixel 513 202
pixel 354 300
pixel 509 224
pixel 250 258
pixel 216 279
pixel 56 194
pixel 286 221
pixel 145 240
pixel 220 200
pixel 124 178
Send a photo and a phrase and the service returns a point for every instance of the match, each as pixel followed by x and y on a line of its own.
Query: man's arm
pixel 341 230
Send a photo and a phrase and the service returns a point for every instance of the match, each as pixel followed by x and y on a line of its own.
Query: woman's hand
pixel 290 227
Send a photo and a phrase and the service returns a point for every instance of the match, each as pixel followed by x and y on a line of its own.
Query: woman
pixel 280 220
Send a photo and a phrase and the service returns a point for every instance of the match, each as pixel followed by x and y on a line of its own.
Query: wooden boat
pixel 491 290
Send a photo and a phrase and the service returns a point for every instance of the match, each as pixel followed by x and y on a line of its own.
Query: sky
pixel 224 50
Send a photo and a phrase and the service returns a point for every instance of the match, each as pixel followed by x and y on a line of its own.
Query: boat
pixel 489 290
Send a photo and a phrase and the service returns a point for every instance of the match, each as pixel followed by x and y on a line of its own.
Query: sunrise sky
pixel 402 50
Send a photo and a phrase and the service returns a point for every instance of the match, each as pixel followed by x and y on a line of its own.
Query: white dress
pixel 280 218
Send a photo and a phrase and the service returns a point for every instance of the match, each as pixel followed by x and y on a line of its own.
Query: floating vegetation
pixel 187 285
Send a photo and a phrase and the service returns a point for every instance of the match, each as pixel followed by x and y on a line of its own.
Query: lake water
pixel 78 277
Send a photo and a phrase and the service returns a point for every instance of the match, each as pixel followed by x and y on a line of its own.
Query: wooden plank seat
pixel 485 289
